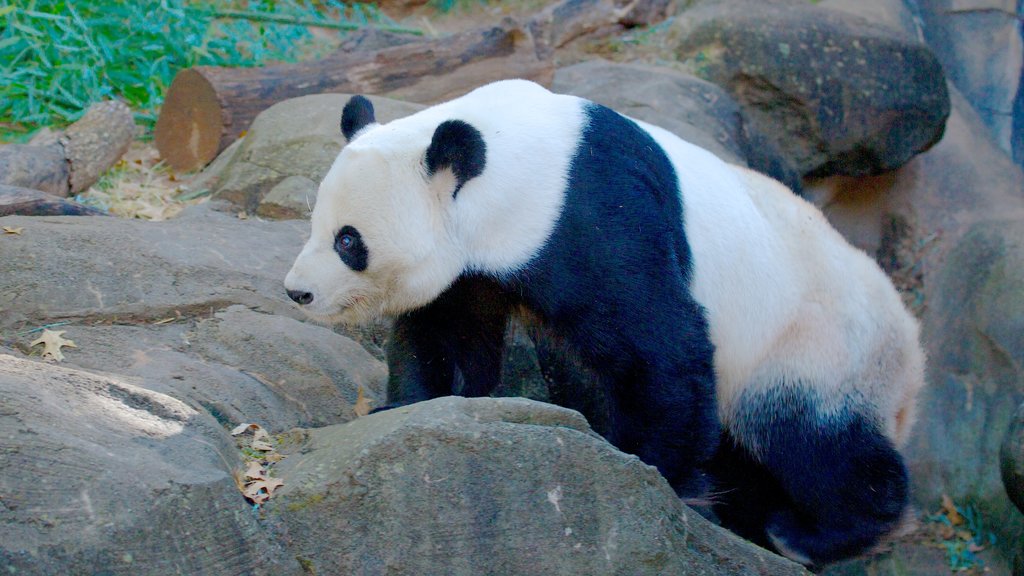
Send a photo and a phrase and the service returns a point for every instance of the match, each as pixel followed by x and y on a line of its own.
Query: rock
pixel 488 486
pixel 192 311
pixel 104 476
pixel 837 94
pixel 691 108
pixel 981 48
pixel 1011 459
pixel 316 371
pixel 280 161
pixel 101 269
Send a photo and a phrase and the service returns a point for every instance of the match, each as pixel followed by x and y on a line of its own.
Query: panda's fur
pixel 713 302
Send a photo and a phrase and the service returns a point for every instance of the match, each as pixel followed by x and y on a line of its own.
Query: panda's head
pixel 382 240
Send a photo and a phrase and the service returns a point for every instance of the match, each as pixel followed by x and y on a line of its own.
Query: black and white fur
pixel 713 303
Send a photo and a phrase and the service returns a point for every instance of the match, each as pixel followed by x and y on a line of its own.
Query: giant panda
pixel 747 351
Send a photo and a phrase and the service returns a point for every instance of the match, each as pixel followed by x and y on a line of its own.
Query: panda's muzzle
pixel 300 297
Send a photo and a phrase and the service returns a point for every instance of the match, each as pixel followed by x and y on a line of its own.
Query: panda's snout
pixel 300 297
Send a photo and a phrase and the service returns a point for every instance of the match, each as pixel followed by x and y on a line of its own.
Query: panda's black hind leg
pixel 819 489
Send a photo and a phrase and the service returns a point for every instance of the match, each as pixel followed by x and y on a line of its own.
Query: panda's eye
pixel 350 248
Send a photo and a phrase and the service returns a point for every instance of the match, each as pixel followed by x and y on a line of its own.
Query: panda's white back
pixel 788 299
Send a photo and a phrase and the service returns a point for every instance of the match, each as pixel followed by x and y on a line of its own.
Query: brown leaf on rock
pixel 259 491
pixel 261 440
pixel 52 342
pixel 242 428
pixel 14 230
pixel 255 471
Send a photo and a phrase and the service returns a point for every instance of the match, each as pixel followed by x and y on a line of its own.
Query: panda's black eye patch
pixel 349 246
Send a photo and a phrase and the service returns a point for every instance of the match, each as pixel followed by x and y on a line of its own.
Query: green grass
pixel 59 56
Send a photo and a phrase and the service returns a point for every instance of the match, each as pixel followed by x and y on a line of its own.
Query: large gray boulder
pixel 838 94
pixel 102 476
pixel 491 486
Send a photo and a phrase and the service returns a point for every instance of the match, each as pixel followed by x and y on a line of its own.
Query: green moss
pixel 311 500
pixel 307 565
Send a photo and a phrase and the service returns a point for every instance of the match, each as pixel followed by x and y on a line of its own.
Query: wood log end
pixel 97 141
pixel 191 124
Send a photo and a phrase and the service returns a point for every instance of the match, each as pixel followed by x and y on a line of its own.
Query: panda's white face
pixel 379 243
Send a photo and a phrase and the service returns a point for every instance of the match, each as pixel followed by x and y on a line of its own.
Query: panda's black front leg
pixel 453 345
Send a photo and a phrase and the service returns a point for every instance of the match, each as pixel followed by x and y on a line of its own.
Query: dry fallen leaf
pixel 255 471
pixel 13 229
pixel 260 491
pixel 362 406
pixel 255 483
pixel 52 342
pixel 261 440
pixel 242 428
pixel 949 509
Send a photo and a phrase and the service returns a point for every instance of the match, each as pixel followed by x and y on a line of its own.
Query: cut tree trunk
pixel 75 159
pixel 207 108
pixel 32 202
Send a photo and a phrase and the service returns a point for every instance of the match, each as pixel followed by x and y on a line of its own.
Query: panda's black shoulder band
pixel 459 146
pixel 356 115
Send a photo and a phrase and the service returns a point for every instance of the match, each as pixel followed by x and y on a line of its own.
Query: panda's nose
pixel 300 296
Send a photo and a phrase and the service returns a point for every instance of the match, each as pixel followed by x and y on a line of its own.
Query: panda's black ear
pixel 460 147
pixel 356 115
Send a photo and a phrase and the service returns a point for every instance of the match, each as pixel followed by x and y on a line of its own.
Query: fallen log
pixel 73 160
pixel 206 108
pixel 32 202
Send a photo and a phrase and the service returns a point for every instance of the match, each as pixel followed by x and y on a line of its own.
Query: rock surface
pixel 191 310
pixel 491 486
pixel 103 475
pixel 840 95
